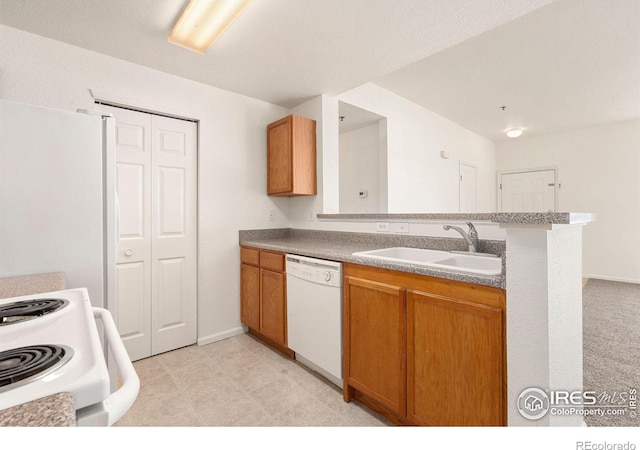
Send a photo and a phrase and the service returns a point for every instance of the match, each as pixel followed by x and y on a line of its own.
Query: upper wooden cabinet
pixel 291 157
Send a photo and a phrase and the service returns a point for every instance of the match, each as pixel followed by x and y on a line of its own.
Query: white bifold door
pixel 156 306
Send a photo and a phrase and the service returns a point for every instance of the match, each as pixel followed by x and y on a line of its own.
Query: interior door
pixel 528 191
pixel 468 195
pixel 156 263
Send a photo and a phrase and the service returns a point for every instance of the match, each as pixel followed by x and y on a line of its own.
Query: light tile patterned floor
pixel 237 382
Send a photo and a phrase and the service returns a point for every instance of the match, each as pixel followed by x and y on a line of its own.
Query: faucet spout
pixel 471 237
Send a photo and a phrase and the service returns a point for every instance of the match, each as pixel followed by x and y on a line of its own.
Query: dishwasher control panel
pixel 315 270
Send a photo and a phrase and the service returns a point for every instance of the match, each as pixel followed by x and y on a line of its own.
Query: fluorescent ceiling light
pixel 204 21
pixel 516 132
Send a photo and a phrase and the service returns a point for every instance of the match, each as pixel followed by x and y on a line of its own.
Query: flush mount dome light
pixel 204 21
pixel 516 132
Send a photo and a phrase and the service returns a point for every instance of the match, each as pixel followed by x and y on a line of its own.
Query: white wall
pixel 411 129
pixel 232 148
pixel 419 180
pixel 544 315
pixel 598 170
pixel 360 170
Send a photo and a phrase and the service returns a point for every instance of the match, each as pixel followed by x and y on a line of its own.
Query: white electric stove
pixel 49 343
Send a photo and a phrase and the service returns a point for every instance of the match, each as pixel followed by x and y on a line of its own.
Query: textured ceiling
pixel 460 58
pixel 572 64
pixel 280 51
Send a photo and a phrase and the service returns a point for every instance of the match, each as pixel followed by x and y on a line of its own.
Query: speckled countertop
pixel 339 246
pixel 31 284
pixel 56 410
pixel 542 218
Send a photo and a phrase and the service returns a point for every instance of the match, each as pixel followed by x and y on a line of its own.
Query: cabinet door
pixel 280 159
pixel 250 296
pixel 455 362
pixel 375 341
pixel 273 309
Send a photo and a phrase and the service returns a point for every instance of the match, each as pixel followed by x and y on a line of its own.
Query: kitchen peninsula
pixel 542 278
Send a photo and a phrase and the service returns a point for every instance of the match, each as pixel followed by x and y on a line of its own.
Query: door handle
pixel 128 252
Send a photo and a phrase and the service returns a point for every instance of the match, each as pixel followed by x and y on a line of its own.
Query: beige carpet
pixel 611 324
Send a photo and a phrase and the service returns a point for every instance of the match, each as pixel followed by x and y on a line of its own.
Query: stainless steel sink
pixel 479 264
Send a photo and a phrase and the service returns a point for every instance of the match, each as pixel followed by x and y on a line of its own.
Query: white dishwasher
pixel 314 314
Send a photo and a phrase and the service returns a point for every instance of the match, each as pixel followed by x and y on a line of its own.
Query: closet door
pixel 156 266
pixel 133 261
pixel 173 232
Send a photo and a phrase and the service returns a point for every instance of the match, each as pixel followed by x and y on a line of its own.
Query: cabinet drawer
pixel 250 256
pixel 273 261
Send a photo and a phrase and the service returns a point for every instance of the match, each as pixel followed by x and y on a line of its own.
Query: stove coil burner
pixel 29 309
pixel 23 365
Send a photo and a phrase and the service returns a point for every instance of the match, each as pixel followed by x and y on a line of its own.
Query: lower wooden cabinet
pixel 454 361
pixel 250 295
pixel 422 350
pixel 263 300
pixel 273 313
pixel 374 325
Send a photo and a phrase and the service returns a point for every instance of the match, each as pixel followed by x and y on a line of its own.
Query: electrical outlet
pixel 312 216
pixel 382 227
pixel 272 216
pixel 400 227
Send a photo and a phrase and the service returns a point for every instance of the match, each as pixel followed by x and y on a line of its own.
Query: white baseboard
pixel 606 278
pixel 220 336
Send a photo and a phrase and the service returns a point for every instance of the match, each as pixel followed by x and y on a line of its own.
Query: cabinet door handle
pixel 128 252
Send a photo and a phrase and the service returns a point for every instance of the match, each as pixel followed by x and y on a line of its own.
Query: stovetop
pixel 60 327
pixel 24 365
pixel 19 311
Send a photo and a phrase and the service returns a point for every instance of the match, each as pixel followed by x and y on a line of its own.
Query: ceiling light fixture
pixel 204 21
pixel 516 132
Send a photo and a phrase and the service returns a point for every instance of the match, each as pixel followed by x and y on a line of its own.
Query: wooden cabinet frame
pixel 451 352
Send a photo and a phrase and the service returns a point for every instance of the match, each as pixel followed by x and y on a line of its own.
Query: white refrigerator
pixel 57 197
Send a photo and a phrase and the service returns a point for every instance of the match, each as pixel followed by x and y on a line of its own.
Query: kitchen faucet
pixel 471 237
